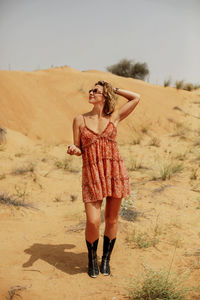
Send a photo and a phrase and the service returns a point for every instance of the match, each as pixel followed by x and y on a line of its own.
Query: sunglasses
pixel 96 91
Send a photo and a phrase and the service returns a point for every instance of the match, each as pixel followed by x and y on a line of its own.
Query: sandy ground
pixel 42 252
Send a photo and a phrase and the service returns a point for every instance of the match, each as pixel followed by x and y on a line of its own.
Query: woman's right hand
pixel 73 150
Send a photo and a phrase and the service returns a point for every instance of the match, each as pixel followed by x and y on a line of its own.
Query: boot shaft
pixel 108 247
pixel 92 249
pixel 93 270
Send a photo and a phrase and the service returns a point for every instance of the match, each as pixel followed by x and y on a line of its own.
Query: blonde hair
pixel 110 96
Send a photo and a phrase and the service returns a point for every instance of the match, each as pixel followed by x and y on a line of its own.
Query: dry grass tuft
pixel 25 169
pixel 67 165
pixel 167 170
pixel 159 285
pixel 155 141
pixel 13 292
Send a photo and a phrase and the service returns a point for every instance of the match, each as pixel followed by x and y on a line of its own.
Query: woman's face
pixel 96 94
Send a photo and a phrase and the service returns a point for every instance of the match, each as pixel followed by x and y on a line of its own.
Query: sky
pixel 92 35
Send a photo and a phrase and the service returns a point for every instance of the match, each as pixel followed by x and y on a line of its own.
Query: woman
pixel 103 171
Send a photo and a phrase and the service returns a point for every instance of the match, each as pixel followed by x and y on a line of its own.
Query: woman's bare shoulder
pixel 79 118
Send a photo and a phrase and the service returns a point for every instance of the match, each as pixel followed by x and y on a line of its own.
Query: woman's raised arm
pixel 127 108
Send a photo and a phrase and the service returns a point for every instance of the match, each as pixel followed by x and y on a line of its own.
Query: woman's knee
pixel 94 221
pixel 111 221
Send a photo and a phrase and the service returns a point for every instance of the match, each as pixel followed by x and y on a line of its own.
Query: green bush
pixel 127 68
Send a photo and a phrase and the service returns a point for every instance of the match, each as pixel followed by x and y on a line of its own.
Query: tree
pixel 127 68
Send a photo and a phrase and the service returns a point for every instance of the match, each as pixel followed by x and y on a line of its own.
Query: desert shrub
pixel 2 135
pixel 167 170
pixel 196 86
pixel 142 239
pixel 128 210
pixel 188 86
pixel 139 71
pixel 179 84
pixel 14 292
pixel 136 139
pixel 180 130
pixel 158 285
pixel 126 68
pixel 10 200
pixel 155 141
pixel 3 139
pixel 180 156
pixel 194 173
pixel 167 82
pixel 134 165
pixel 24 169
pixel 67 164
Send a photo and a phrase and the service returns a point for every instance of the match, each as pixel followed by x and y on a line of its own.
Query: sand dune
pixel 42 104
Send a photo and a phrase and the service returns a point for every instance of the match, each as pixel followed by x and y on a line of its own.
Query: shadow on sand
pixel 59 257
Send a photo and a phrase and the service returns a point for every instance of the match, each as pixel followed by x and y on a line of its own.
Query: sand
pixel 43 252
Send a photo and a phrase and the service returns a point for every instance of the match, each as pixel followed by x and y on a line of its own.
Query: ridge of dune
pixel 42 104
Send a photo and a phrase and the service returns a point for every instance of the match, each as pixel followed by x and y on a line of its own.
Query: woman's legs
pixel 93 215
pixel 111 216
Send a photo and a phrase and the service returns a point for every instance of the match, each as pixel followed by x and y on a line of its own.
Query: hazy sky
pixel 92 34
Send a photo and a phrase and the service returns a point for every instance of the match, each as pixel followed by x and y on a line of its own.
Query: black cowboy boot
pixel 107 249
pixel 93 270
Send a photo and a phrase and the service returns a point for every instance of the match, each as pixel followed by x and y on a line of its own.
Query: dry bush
pixel 194 173
pixel 136 140
pixel 180 130
pixel 155 141
pixel 159 285
pixel 128 210
pixel 167 82
pixel 135 164
pixel 3 139
pixel 179 84
pixel 188 87
pixel 67 164
pixel 167 170
pixel 196 86
pixel 142 239
pixel 24 169
pixel 10 200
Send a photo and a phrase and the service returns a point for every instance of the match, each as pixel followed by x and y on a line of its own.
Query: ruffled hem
pixel 107 178
pixel 117 187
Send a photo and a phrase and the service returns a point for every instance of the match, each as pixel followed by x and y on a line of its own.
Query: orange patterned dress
pixel 103 170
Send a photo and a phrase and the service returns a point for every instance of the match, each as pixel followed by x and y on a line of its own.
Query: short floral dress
pixel 103 170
